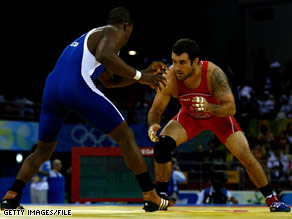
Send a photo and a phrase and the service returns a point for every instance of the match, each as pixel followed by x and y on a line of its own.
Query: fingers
pixel 152 133
pixel 198 99
pixel 159 81
pixel 154 81
pixel 159 66
pixel 200 103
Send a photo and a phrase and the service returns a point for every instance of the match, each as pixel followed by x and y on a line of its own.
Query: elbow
pixel 104 57
pixel 107 85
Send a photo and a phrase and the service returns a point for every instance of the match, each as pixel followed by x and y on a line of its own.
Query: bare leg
pixel 33 162
pixel 238 145
pixel 131 152
pixel 163 171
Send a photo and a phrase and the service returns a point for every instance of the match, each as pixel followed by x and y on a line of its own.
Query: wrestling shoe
pixel 275 205
pixel 153 202
pixel 10 201
pixel 166 197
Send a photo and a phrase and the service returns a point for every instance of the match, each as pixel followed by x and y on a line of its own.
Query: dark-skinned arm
pixel 110 81
pixel 106 54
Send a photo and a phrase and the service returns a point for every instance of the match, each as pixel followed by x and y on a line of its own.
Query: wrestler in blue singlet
pixel 69 87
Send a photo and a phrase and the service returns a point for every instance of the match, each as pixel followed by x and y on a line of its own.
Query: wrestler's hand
pixel 200 104
pixel 152 132
pixel 156 68
pixel 154 81
pixel 150 75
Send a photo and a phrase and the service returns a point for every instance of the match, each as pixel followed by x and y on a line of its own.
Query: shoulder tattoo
pixel 219 83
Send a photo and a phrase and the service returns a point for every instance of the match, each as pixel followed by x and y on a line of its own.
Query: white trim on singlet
pixel 88 66
pixel 177 119
pixel 208 95
pixel 231 123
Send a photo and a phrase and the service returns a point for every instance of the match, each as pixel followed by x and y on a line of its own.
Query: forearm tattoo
pixel 219 83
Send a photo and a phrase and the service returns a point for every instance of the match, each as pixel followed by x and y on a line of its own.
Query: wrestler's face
pixel 182 65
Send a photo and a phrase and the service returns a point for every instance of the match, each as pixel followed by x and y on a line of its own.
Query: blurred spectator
pixel 267 105
pixel 290 99
pixel 177 176
pixel 57 166
pixel 216 193
pixel 243 112
pixel 283 143
pixel 25 106
pixel 265 135
pixel 289 134
pixel 278 163
pixel 272 80
pixel 285 108
pixel 213 154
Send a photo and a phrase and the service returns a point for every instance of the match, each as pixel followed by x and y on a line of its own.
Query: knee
pixel 44 152
pixel 163 149
pixel 122 134
pixel 125 137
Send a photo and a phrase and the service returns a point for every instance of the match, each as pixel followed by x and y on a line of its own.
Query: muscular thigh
pixel 237 144
pixel 175 130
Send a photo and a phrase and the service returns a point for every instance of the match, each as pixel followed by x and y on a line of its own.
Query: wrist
pixel 138 75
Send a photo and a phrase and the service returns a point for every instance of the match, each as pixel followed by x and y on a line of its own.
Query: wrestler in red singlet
pixel 196 121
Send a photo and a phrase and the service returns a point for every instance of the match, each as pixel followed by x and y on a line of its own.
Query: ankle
pixel 10 195
pixel 17 186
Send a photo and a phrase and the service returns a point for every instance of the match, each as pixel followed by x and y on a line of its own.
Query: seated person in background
pixel 177 176
pixel 57 166
pixel 216 193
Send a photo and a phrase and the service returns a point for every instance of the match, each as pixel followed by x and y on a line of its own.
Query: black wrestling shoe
pixel 10 201
pixel 154 202
pixel 171 199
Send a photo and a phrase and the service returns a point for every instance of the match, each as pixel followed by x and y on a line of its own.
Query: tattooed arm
pixel 223 94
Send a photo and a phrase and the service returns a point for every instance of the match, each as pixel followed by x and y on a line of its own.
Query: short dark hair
pixel 189 46
pixel 119 15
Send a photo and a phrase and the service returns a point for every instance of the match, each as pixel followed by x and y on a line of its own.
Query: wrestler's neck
pixel 194 80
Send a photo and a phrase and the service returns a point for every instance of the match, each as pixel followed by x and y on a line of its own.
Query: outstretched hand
pixel 156 68
pixel 151 77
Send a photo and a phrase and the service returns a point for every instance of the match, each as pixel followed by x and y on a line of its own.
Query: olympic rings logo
pixel 84 136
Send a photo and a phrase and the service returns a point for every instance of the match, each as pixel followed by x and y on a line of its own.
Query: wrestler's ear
pixel 196 61
pixel 125 26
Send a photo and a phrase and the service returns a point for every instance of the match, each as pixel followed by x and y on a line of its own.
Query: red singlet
pixel 194 121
